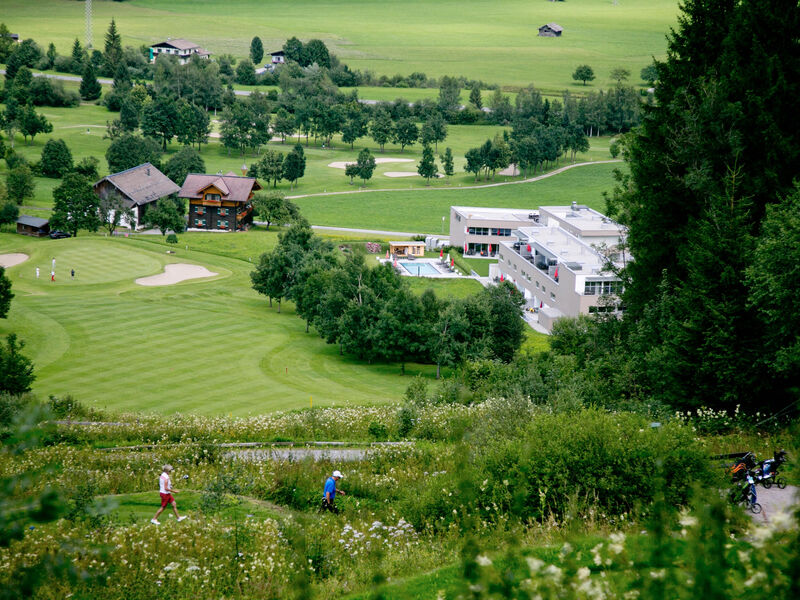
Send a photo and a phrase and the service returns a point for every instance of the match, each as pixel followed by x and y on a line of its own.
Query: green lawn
pixel 495 42
pixel 422 211
pixel 205 346
pixel 140 507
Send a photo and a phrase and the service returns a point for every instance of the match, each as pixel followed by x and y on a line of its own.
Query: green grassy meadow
pixel 496 42
pixel 207 346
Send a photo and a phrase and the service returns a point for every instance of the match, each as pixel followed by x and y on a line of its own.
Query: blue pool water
pixel 419 268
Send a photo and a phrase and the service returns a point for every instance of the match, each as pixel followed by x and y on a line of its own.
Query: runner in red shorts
pixel 166 491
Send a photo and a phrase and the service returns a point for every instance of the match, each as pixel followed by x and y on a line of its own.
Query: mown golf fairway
pixel 208 346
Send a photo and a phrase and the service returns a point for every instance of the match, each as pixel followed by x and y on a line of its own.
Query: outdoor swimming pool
pixel 419 268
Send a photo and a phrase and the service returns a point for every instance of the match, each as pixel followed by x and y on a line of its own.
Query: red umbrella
pixel 501 277
pixel 555 275
pixel 441 252
pixel 490 248
pixel 452 262
pixel 541 304
pixel 465 247
pixel 529 247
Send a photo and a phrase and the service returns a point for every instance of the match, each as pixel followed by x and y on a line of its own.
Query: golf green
pixel 209 346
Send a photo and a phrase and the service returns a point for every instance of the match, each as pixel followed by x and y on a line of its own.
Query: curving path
pixel 463 187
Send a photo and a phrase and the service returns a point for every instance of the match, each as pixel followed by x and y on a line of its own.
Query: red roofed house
pixel 183 49
pixel 219 201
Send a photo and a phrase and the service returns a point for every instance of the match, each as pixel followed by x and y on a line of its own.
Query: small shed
pixel 33 226
pixel 551 30
pixel 405 249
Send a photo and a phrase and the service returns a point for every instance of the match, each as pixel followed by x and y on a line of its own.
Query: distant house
pixel 139 187
pixel 219 201
pixel 183 49
pixel 278 58
pixel 13 36
pixel 550 30
pixel 33 226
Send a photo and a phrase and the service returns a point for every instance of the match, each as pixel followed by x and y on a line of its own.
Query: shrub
pixel 87 167
pixel 611 460
pixel 406 417
pixel 172 238
pixel 378 431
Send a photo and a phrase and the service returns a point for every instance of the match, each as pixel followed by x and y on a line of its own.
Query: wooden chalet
pixel 551 30
pixel 278 58
pixel 221 202
pixel 138 188
pixel 33 226
pixel 182 49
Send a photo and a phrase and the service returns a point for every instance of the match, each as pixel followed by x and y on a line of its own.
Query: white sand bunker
pixel 15 258
pixel 175 273
pixel 378 161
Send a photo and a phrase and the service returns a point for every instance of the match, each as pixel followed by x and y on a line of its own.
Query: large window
pixel 601 288
pixel 478 230
pixel 214 197
pixel 501 232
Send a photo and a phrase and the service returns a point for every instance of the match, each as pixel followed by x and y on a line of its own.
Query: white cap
pixel 337 474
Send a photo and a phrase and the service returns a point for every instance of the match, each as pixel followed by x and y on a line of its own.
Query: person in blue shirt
pixel 329 493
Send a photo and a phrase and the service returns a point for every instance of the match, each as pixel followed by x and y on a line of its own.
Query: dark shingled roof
pixel 553 26
pixel 32 221
pixel 142 184
pixel 233 188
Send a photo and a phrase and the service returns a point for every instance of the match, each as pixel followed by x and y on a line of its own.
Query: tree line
pixel 711 204
pixel 370 312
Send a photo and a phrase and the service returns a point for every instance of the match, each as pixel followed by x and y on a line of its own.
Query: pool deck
pixel 441 270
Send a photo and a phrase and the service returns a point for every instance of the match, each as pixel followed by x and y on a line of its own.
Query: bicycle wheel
pixel 755 508
pixel 767 483
pixel 780 482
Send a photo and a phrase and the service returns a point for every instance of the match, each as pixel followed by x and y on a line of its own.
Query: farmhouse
pixel 33 226
pixel 138 188
pixel 219 201
pixel 278 58
pixel 550 30
pixel 183 49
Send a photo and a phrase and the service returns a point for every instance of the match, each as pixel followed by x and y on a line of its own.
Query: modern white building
pixel 564 265
pixel 583 222
pixel 479 231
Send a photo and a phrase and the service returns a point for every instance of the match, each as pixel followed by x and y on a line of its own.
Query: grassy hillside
pixel 496 42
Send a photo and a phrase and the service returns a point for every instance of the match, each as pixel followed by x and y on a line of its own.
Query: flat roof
pixel 500 214
pixel 583 219
pixel 565 247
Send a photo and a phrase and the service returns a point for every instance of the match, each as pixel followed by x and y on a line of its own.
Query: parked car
pixel 57 235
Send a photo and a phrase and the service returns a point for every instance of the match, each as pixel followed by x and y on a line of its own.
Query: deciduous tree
pixel 186 160
pixel 583 73
pixel 129 151
pixel 75 205
pixel 366 165
pixel 165 216
pixel 56 159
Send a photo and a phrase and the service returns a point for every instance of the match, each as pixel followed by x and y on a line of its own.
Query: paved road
pixel 775 500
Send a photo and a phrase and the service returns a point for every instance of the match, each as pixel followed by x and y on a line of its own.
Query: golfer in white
pixel 165 490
